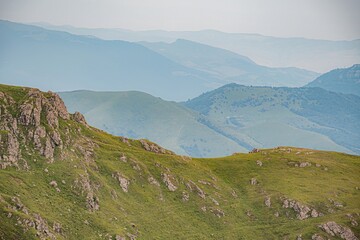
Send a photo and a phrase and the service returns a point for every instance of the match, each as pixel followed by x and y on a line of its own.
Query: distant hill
pixel 238 117
pixel 140 115
pixel 33 56
pixel 264 116
pixel 345 80
pixel 311 54
pixel 229 66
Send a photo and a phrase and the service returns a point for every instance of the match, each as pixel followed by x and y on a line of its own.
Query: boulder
pixel 335 229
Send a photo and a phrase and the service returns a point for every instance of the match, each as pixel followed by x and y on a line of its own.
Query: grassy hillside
pixel 62 179
pixel 306 117
pixel 345 80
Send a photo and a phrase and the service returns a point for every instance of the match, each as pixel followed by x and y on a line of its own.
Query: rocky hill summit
pixel 35 120
pixel 63 179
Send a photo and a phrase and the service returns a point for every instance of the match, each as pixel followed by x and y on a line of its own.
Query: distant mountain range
pixel 34 56
pixel 345 80
pixel 316 55
pixel 228 66
pixel 60 61
pixel 233 118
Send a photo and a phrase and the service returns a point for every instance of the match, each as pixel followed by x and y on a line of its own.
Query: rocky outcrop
pixel 335 229
pixel 303 211
pixel 195 188
pixel 123 181
pixel 78 117
pixel 253 181
pixel 304 164
pixel 185 196
pixel 82 185
pixel 40 113
pixel 267 201
pixel 317 237
pixel 153 181
pixel 217 212
pixel 352 219
pixel 33 220
pixel 152 147
pixel 169 182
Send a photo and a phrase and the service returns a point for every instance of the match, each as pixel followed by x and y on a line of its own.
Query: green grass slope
pixel 92 185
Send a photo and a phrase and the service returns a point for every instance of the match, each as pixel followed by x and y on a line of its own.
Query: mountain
pixel 63 179
pixel 238 117
pixel 264 116
pixel 47 59
pixel 312 54
pixel 140 115
pixel 229 66
pixel 346 80
pixel 33 56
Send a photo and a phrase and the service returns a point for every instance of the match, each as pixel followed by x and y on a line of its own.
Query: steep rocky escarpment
pixel 32 124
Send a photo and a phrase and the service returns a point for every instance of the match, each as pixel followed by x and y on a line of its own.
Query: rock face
pixel 152 147
pixel 40 113
pixel 303 211
pixel 78 117
pixel 168 180
pixel 84 185
pixel 334 229
pixel 34 221
pixel 195 188
pixel 123 181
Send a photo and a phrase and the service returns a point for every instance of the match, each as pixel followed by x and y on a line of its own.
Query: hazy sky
pixel 324 19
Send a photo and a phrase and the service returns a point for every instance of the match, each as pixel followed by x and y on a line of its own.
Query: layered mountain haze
pixel 312 54
pixel 233 118
pixel 230 67
pixel 63 179
pixel 345 80
pixel 60 61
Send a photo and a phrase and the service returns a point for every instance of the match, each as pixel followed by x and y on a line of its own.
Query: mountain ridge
pixel 122 110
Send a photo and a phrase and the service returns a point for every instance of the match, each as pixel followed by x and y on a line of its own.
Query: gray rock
pixel 334 229
pixel 267 201
pixel 168 180
pixel 253 181
pixel 123 181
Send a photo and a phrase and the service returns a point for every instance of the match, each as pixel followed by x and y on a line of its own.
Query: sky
pixel 318 19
